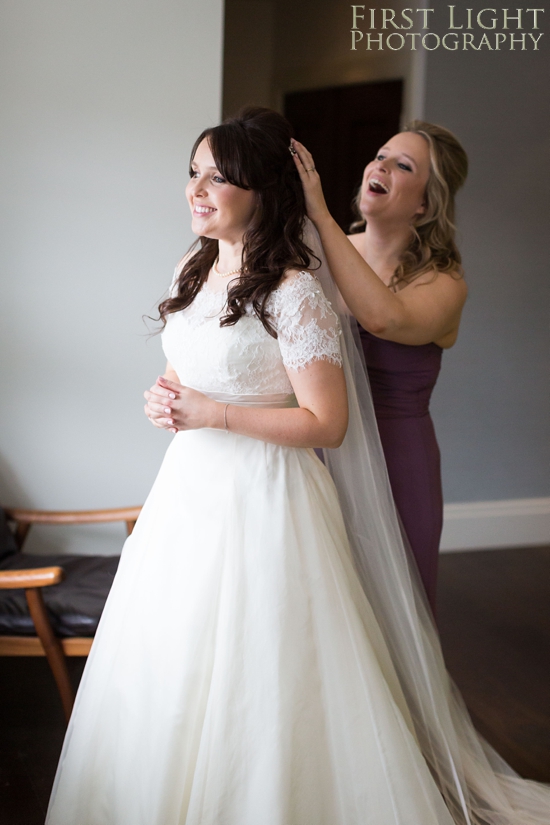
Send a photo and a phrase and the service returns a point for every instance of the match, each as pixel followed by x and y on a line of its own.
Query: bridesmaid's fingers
pixel 316 206
pixel 303 158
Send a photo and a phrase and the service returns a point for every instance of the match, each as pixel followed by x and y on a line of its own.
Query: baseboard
pixel 482 525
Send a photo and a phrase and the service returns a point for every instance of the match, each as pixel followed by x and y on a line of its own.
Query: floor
pixel 494 619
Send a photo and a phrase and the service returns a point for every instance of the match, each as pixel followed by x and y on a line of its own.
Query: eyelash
pixel 216 178
pixel 401 165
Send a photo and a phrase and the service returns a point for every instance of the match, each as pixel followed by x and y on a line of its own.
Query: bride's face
pixel 394 183
pixel 219 209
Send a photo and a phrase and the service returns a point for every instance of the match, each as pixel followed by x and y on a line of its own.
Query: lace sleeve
pixel 307 326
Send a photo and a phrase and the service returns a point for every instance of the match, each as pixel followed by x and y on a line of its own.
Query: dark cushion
pixel 74 606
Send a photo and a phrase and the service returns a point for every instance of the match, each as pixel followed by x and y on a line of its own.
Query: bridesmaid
pixel 400 274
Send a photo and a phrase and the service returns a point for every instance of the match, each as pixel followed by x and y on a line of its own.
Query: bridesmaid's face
pixel 219 209
pixel 394 183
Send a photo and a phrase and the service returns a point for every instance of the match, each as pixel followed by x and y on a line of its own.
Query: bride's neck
pixel 229 255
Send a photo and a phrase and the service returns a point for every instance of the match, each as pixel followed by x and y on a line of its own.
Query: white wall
pixel 100 106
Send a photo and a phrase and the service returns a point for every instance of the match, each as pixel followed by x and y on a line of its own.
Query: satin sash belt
pixel 273 400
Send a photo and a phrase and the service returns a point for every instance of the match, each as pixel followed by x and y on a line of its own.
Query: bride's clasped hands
pixel 173 407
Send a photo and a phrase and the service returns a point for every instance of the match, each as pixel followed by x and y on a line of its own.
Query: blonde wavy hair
pixel 432 243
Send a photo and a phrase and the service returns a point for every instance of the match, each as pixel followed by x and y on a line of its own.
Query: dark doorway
pixel 343 127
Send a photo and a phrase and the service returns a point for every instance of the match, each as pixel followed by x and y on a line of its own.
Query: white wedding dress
pixel 238 676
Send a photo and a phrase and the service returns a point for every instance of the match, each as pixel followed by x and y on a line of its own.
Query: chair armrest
pixel 71 516
pixel 34 577
pixel 24 519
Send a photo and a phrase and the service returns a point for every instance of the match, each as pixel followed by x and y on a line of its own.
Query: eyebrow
pixel 401 153
pixel 194 163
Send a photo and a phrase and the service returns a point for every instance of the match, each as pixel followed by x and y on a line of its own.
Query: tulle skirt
pixel 238 676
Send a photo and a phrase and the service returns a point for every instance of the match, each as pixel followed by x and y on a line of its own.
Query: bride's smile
pixel 219 209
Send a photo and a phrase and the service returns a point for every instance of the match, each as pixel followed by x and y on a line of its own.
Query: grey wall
pixel 100 105
pixel 492 403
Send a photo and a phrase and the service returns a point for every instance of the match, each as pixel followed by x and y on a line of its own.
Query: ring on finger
pixel 312 169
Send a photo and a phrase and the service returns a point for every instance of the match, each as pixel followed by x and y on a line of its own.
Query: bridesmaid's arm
pixel 321 420
pixel 427 310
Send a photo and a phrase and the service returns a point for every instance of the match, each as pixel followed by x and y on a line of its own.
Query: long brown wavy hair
pixel 251 150
pixel 432 244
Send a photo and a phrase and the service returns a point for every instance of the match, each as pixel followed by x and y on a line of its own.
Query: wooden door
pixel 343 127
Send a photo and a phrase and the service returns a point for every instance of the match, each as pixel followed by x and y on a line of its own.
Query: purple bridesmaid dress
pixel 402 378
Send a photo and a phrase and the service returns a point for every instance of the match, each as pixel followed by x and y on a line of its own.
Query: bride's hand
pixel 188 409
pixel 316 205
pixel 158 408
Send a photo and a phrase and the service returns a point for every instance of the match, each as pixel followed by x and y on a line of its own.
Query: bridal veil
pixel 479 788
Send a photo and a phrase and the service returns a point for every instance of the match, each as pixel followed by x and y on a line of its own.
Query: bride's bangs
pixel 231 151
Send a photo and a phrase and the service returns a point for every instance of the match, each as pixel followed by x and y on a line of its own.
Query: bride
pixel 240 675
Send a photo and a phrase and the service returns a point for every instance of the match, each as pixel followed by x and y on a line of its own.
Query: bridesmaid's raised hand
pixel 316 206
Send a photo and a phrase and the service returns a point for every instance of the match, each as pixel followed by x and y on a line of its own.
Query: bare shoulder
pixel 454 284
pixel 356 240
pixel 451 284
pixel 436 300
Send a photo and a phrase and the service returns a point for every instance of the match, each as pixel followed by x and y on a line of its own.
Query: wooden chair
pixel 31 574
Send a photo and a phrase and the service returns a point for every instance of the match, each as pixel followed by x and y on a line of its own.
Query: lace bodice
pixel 244 359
